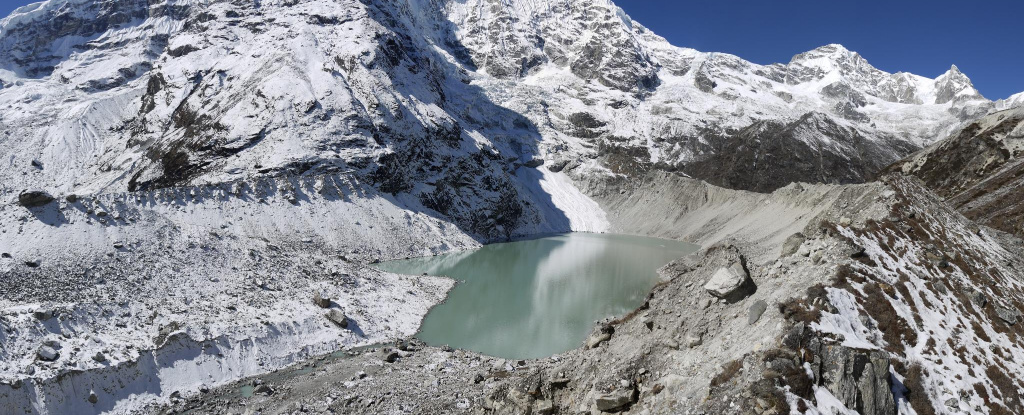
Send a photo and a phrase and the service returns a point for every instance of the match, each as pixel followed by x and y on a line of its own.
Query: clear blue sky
pixel 982 38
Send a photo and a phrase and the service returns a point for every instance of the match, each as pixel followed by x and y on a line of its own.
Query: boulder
pixel 47 354
pixel 534 163
pixel 263 389
pixel 34 198
pixel 1008 315
pixel 321 300
pixel 338 317
pixel 858 378
pixel 731 283
pixel 756 310
pixel 99 357
pixel 792 244
pixel 389 356
pixel 558 165
pixel 616 400
pixel 92 397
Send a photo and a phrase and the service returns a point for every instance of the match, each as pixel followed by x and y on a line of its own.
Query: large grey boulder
pixel 338 317
pixel 34 198
pixel 47 354
pixel 858 378
pixel 1008 315
pixel 731 283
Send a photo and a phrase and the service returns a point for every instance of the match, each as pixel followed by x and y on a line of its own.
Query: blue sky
pixel 923 37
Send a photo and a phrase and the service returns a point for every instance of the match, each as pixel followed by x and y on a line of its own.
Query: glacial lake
pixel 539 297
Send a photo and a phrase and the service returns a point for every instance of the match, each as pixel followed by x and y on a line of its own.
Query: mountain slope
pixel 979 170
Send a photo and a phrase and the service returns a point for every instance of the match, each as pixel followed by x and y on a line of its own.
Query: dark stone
pixel 534 163
pixel 34 198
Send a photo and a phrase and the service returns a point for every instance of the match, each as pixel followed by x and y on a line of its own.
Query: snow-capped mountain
pixel 134 95
pixel 178 176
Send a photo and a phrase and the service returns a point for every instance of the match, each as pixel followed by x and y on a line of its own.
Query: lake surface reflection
pixel 539 297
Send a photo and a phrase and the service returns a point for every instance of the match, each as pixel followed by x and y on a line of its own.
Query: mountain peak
pixel 955 85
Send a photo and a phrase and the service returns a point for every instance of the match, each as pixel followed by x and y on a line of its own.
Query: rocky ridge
pixel 978 170
pixel 848 320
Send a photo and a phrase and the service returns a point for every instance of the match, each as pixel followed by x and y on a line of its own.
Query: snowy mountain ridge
pixel 583 74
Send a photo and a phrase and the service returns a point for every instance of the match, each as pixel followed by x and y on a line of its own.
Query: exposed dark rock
pixel 1008 314
pixel 534 163
pixel 34 198
pixel 737 161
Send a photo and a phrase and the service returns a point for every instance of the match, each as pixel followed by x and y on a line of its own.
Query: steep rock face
pixel 593 40
pixel 859 379
pixel 979 170
pixel 769 155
